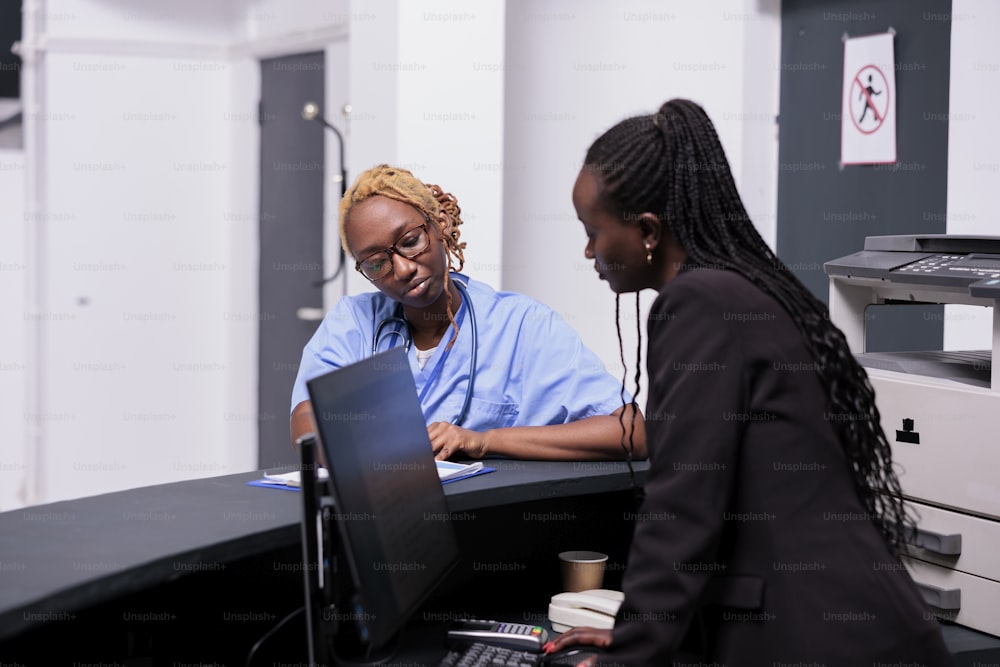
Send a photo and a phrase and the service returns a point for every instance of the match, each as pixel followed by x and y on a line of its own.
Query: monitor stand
pixel 332 631
pixel 316 594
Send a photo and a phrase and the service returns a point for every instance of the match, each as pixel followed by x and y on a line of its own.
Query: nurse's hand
pixel 448 440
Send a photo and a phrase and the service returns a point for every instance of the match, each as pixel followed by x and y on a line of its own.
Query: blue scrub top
pixel 532 368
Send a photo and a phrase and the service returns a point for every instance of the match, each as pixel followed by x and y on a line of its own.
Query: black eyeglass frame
pixel 393 249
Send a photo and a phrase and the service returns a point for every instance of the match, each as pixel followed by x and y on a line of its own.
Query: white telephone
pixel 594 608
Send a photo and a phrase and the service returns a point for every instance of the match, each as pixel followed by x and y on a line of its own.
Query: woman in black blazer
pixel 772 519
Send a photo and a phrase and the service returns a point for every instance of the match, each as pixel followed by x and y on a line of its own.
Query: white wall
pixel 431 100
pixel 13 332
pixel 137 261
pixel 576 67
pixel 143 244
pixel 973 150
pixel 90 25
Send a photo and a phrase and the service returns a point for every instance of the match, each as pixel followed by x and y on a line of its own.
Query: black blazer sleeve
pixel 694 420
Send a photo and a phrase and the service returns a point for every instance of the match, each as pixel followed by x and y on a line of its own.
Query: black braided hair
pixel 672 164
pixel 629 448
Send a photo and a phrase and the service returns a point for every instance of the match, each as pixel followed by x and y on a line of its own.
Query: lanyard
pixel 444 355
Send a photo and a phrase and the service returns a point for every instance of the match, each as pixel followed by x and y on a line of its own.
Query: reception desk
pixel 197 572
pixel 147 572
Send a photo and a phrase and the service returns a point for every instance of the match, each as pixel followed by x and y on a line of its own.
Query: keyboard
pixel 478 654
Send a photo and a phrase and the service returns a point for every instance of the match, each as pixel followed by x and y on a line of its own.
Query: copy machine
pixel 938 411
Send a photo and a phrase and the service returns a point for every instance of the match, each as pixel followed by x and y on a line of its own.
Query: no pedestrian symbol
pixel 869 99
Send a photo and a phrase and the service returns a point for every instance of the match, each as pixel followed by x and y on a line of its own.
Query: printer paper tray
pixel 978 539
pixel 945 443
pixel 980 598
pixel 970 367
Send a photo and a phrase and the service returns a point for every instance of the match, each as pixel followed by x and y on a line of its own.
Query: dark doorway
pixel 10 63
pixel 291 239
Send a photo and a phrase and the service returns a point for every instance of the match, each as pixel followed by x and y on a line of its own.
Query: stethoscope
pixel 401 328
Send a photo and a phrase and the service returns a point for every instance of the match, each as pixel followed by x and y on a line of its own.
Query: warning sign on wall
pixel 868 115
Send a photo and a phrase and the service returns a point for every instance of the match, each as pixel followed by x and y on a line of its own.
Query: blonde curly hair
pixel 400 184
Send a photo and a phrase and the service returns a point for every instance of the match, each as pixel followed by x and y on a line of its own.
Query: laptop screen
pixel 390 509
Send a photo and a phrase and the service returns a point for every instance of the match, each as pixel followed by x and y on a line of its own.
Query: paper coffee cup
pixel 582 570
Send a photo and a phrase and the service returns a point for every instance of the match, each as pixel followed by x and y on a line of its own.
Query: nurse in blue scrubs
pixel 537 391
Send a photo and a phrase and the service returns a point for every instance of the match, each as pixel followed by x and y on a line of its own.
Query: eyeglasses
pixel 378 265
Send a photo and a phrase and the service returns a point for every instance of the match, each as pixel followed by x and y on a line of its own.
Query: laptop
pixel 390 512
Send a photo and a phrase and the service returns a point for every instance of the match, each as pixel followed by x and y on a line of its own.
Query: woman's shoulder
pixel 515 308
pixel 503 300
pixel 711 277
pixel 710 286
pixel 363 301
pixel 361 307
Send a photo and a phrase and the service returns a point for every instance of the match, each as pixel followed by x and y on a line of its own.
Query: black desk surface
pixel 62 558
pixel 59 558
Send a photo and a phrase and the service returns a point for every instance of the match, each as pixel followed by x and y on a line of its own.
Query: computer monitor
pixel 391 516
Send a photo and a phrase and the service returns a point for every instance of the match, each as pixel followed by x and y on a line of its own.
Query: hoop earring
pixel 649 254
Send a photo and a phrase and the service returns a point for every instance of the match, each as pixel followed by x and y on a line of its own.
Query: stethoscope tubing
pixel 403 331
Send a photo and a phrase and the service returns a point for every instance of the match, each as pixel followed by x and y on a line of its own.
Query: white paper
pixel 291 478
pixel 868 113
pixel 446 470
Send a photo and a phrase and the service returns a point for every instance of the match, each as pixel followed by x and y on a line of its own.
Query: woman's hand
pixel 448 440
pixel 581 636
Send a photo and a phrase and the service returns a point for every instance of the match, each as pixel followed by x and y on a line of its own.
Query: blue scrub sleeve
pixel 338 342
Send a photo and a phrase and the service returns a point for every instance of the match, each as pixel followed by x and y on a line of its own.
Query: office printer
pixel 939 410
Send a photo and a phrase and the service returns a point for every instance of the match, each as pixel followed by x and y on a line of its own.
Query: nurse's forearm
pixel 592 439
pixel 302 422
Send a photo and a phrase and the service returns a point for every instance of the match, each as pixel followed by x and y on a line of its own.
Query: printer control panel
pixel 972 267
